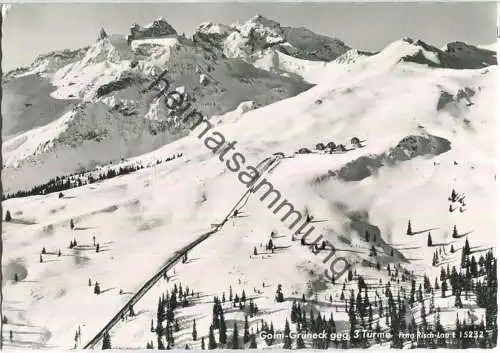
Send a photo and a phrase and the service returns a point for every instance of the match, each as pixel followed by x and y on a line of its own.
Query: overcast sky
pixel 32 29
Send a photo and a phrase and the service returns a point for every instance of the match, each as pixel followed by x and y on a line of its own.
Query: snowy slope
pixel 143 218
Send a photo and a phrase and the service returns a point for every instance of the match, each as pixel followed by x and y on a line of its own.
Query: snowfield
pixel 141 219
pixel 422 132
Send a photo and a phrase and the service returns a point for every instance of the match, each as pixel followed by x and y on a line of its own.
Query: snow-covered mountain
pixel 423 154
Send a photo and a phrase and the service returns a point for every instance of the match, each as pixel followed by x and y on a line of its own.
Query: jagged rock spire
pixel 102 34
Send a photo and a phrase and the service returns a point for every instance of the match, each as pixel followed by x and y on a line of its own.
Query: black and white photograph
pixel 249 175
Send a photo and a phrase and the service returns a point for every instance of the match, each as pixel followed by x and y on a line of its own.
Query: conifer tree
pixel 254 250
pixel 246 334
pixel 195 334
pixel 452 249
pixel 287 344
pixel 16 277
pixel 467 247
pixel 300 342
pixel 253 342
pixel 230 293
pixel 71 224
pixel 90 283
pixel 235 340
pixel 41 259
pixel 211 339
pixel 429 239
pixel 279 295
pixel 455 232
pixel 203 343
pixel 106 341
pixel 161 346
pixel 408 230
pixel 222 330
pixel 8 217
pixel 270 245
pixel 463 260
pixel 444 288
pixel 97 288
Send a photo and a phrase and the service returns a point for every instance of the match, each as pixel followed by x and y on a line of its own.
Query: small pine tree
pixel 203 343
pixel 8 217
pixel 254 250
pixel 253 342
pixel 59 253
pixel 455 232
pixel 16 277
pixel 429 239
pixel 279 295
pixel 106 341
pixel 97 248
pixel 235 340
pixel 408 230
pixel 90 282
pixel 246 334
pixel 71 224
pixel 211 338
pixel 300 342
pixel 194 334
pixel 97 289
pixel 467 247
pixel 452 249
pixel 287 344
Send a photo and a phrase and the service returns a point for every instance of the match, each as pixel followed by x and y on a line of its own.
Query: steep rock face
pixel 159 28
pixel 312 46
pixel 458 55
pixel 49 63
pixel 472 55
pixel 407 148
pixel 259 34
pixel 122 116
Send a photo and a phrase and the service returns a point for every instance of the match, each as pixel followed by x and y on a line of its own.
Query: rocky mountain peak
pixel 157 29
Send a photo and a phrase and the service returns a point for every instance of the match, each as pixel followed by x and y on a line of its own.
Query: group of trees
pixel 311 324
pixel 62 183
pixel 166 322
